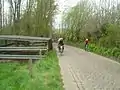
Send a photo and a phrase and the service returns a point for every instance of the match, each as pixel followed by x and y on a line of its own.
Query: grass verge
pixel 46 75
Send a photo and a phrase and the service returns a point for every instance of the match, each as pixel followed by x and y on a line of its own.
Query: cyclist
pixel 86 43
pixel 60 43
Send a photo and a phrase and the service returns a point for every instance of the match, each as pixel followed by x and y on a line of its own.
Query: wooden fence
pixel 24 48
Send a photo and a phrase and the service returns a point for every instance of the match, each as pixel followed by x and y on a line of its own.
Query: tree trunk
pixel 0 14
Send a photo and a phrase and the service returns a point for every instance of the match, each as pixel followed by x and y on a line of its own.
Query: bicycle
pixel 86 47
pixel 61 49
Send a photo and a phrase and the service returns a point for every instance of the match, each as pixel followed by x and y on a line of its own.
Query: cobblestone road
pixel 87 71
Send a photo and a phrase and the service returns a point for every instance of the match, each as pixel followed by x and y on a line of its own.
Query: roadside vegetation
pixel 29 18
pixel 46 75
pixel 97 21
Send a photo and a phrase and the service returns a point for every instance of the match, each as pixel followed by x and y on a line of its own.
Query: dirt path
pixel 87 71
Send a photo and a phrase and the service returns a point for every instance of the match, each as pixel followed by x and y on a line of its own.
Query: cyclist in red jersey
pixel 86 43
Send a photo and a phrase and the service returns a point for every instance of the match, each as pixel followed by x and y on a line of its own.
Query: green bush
pixel 115 52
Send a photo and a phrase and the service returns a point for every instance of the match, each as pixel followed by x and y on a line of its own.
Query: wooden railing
pixel 24 48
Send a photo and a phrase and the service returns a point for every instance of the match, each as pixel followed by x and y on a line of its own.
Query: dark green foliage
pixel 115 52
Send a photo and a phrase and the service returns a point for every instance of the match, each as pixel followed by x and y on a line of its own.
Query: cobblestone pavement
pixel 87 71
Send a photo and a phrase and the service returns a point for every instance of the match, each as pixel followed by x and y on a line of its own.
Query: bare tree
pixel 3 14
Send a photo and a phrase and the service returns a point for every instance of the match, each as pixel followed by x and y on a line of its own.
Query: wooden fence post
pixel 50 45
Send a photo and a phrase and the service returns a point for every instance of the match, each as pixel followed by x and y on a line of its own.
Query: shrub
pixel 115 52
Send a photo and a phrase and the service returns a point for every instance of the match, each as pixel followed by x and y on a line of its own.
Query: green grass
pixel 46 75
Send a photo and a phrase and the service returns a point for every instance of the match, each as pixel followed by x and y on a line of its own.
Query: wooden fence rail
pixel 24 47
